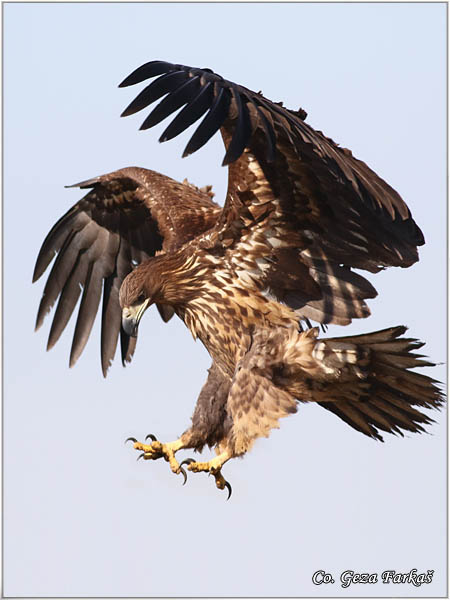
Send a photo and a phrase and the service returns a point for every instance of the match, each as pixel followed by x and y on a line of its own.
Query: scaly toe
pixel 150 451
pixel 211 469
pixel 157 450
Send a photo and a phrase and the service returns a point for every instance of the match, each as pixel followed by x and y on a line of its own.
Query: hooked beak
pixel 131 315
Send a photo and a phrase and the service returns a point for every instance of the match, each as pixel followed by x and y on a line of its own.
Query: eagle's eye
pixel 141 298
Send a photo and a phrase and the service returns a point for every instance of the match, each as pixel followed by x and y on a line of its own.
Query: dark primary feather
pixel 172 102
pixel 223 93
pixel 150 69
pixel 211 123
pixel 157 89
pixel 190 113
pixel 124 219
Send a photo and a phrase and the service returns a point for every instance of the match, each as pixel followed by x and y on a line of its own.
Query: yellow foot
pixel 157 450
pixel 212 467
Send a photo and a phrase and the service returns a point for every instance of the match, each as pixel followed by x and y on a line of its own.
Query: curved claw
pixel 228 486
pixel 151 436
pixel 183 472
pixel 140 456
pixel 187 461
pixel 131 439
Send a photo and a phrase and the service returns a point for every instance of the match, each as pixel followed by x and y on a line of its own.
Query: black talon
pixel 228 486
pixel 183 472
pixel 187 461
pixel 140 456
pixel 151 436
pixel 131 439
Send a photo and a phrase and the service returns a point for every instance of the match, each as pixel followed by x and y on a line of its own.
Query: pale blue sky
pixel 82 518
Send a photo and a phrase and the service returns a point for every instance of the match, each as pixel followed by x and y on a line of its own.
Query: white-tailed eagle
pixel 247 279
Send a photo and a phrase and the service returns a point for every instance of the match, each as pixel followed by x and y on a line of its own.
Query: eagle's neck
pixel 181 278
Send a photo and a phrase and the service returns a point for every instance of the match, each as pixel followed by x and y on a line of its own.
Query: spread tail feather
pixel 378 390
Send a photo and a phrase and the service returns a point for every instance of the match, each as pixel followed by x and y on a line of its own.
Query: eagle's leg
pixel 210 421
pixel 210 424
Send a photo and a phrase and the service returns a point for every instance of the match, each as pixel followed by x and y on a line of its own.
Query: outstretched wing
pixel 300 211
pixel 126 218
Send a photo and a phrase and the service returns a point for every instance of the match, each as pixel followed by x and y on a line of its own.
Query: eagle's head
pixel 166 280
pixel 139 290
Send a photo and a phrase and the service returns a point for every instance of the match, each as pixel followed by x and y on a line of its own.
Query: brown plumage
pixel 299 215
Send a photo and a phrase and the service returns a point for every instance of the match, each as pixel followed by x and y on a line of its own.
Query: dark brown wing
pixel 126 218
pixel 300 211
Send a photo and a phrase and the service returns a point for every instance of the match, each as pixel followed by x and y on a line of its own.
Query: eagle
pixel 249 279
